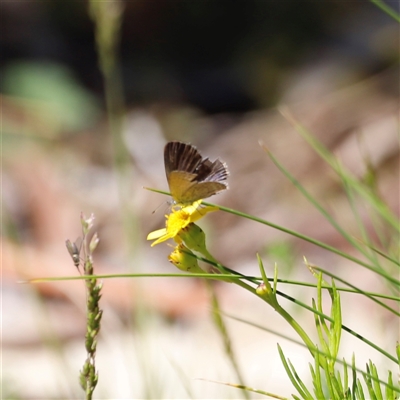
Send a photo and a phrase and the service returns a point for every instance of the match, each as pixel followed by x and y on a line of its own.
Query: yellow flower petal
pixel 156 234
pixel 179 219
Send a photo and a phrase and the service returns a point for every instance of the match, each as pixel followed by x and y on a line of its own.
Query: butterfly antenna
pixel 156 209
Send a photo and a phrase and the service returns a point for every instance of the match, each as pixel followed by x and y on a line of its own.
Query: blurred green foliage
pixel 61 99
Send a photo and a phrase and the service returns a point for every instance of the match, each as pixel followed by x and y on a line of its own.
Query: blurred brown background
pixel 214 74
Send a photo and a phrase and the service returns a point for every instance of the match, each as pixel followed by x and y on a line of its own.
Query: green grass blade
pixel 344 327
pixel 319 306
pixel 319 328
pixel 325 213
pixel 368 381
pixel 360 187
pixel 354 370
pixel 371 255
pixel 382 254
pixel 386 9
pixel 354 376
pixel 308 239
pixel 337 385
pixel 316 378
pixel 248 389
pixel 389 392
pixel 360 391
pixel 329 385
pixel 338 382
pixel 360 291
pixel 336 328
pixel 289 232
pixel 345 376
pixel 219 277
pixel 308 395
pixel 296 382
pixel 375 381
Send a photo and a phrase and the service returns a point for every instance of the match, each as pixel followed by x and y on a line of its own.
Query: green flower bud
pixel 194 238
pixel 184 259
pixel 263 290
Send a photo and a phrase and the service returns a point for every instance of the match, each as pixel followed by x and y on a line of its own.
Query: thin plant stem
pixel 107 16
pixel 386 9
pixel 298 235
pixel 88 375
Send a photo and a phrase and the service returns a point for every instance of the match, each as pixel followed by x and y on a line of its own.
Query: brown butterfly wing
pixel 190 177
pixel 180 156
pixel 201 190
pixel 208 171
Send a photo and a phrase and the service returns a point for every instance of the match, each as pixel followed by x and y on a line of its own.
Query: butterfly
pixel 190 176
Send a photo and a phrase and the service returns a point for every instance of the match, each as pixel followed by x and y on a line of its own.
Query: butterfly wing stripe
pixel 181 157
pixel 218 172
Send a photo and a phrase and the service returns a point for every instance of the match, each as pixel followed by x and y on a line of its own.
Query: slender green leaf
pixel 354 376
pixel 384 255
pixel 389 392
pixel 371 255
pixel 336 329
pixel 355 243
pixel 371 296
pixel 362 189
pixel 368 381
pixel 375 380
pixel 316 377
pixel 329 383
pixel 219 277
pixel 337 387
pixel 248 389
pixel 338 380
pixel 319 306
pixel 322 341
pixel 300 382
pixel 300 236
pixel 359 391
pixel 385 8
pixel 345 376
pixel 293 376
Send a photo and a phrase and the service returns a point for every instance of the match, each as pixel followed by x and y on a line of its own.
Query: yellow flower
pixel 178 220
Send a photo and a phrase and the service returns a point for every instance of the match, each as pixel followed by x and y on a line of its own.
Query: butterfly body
pixel 190 176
